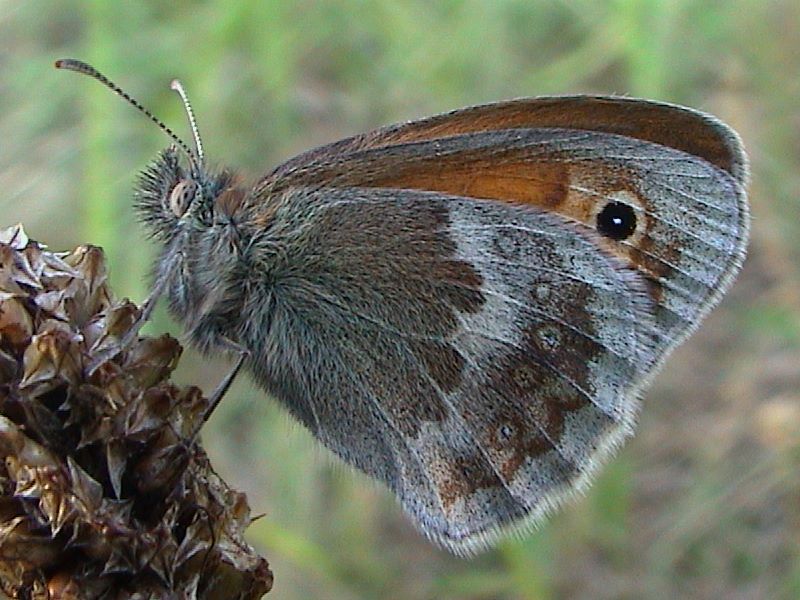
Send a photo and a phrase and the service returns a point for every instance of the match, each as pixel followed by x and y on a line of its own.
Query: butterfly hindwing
pixel 482 364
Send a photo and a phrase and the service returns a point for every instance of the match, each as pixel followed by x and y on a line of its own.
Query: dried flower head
pixel 105 491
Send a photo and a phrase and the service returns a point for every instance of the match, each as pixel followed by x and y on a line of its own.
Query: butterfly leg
pixel 149 303
pixel 146 311
pixel 222 387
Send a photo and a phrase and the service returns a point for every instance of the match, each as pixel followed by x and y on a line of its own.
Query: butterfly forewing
pixel 689 215
pixel 690 131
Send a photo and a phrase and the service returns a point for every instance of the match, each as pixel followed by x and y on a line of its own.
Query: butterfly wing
pixel 685 129
pixel 450 316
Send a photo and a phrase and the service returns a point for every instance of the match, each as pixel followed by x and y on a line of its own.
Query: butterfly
pixel 466 307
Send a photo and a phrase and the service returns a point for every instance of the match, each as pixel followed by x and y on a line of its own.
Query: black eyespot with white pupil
pixel 617 221
pixel 181 196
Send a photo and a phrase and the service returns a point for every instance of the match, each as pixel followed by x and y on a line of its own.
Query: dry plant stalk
pixel 104 492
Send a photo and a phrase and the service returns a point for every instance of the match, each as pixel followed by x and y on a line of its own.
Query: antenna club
pixel 66 63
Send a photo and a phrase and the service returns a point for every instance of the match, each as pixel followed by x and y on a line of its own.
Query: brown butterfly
pixel 465 307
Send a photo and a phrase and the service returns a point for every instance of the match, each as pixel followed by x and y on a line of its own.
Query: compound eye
pixel 181 196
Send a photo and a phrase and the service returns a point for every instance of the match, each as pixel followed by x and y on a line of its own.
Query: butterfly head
pixel 172 196
pixel 192 211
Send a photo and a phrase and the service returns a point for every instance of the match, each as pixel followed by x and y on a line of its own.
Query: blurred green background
pixel 703 503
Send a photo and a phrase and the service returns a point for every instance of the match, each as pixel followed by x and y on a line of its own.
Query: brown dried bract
pixel 105 493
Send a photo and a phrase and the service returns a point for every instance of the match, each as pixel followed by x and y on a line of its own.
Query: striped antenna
pixel 198 144
pixel 78 66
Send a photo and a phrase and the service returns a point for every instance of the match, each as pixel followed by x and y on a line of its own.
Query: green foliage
pixel 702 504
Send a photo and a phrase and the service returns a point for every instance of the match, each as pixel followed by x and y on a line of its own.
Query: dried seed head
pixel 102 493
